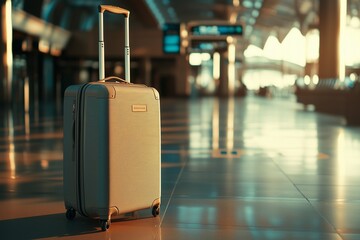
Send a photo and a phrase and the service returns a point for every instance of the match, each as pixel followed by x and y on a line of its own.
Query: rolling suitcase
pixel 111 143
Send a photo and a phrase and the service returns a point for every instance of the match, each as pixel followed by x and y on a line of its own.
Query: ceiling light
pixel 251 21
pixel 255 13
pixel 258 4
pixel 247 3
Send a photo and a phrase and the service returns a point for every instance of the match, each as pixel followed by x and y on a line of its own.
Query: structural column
pixel 330 13
pixel 223 88
pixel 182 85
pixel 6 58
pixel 227 78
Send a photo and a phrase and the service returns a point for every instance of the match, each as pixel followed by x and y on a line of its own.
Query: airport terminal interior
pixel 260 119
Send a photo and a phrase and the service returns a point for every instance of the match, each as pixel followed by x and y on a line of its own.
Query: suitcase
pixel 111 143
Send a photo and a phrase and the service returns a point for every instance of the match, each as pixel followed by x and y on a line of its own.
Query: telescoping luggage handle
pixel 126 13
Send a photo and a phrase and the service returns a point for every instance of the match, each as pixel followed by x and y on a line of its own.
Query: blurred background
pixel 186 48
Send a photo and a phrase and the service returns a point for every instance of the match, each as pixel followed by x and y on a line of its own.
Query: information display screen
pixel 217 30
pixel 171 38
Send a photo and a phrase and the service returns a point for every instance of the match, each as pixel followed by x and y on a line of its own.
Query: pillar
pixel 6 59
pixel 182 85
pixel 223 87
pixel 228 74
pixel 330 65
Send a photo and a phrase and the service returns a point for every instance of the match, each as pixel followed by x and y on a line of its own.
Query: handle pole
pixel 126 13
pixel 101 47
pixel 127 50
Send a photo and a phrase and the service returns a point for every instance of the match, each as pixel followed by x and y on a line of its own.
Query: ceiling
pixel 260 18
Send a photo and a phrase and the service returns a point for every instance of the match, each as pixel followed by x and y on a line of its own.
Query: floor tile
pixel 242 168
pixel 344 216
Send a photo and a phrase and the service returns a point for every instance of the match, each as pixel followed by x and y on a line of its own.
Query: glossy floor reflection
pixel 248 168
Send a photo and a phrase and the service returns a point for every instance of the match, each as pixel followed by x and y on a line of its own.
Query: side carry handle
pixel 114 79
pixel 126 13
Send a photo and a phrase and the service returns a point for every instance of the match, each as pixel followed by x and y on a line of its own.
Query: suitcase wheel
pixel 105 224
pixel 155 210
pixel 70 213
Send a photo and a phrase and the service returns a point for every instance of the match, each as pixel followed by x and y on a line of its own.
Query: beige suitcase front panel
pixel 134 145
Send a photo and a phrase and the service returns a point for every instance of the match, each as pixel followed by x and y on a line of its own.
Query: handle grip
pixel 114 9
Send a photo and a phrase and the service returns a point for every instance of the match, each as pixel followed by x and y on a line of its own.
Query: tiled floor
pixel 248 168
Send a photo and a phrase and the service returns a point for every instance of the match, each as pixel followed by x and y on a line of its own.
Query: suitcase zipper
pixel 78 148
pixel 73 129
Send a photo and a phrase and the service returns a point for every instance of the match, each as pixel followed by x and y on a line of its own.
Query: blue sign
pixel 217 30
pixel 171 38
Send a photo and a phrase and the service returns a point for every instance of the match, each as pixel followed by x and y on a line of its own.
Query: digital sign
pixel 217 30
pixel 208 46
pixel 171 38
